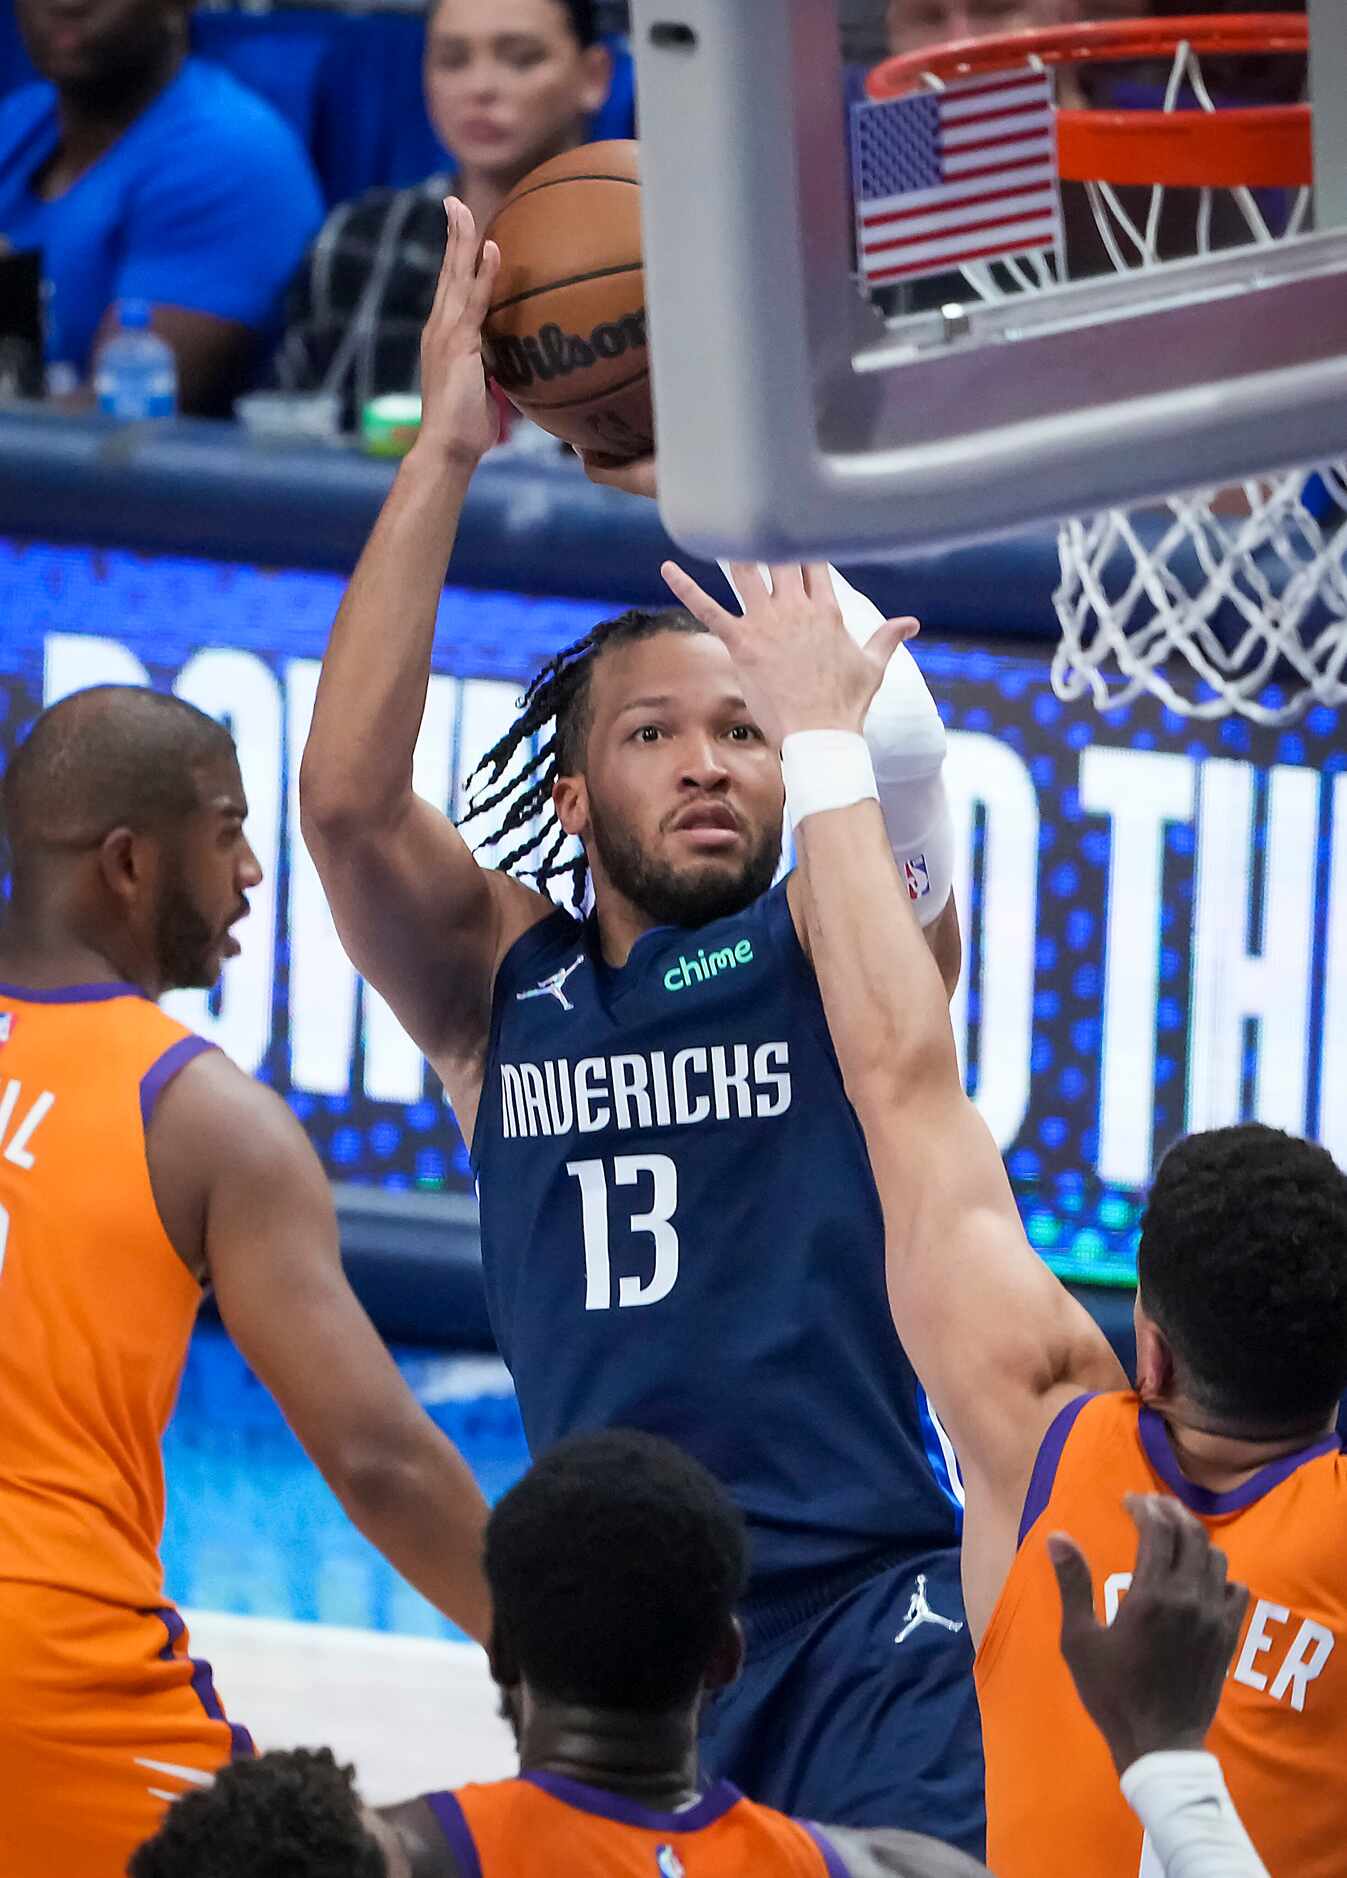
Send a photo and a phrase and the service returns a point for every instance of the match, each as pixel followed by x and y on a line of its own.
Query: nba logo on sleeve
pixel 916 877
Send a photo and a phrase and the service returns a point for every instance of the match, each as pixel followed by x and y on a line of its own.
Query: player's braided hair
pixel 559 696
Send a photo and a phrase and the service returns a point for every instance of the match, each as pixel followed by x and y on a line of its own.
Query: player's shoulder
pixel 1093 1430
pixel 412 1832
pixel 549 941
pixel 215 1116
pixel 112 1029
pixel 1093 1436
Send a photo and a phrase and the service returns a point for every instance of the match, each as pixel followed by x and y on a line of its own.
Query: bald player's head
pixel 112 756
pixel 123 813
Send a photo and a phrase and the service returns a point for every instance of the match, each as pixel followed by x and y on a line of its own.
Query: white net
pixel 1219 600
pixel 1213 613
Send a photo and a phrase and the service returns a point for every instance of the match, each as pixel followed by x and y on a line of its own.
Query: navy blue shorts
pixel 858 1709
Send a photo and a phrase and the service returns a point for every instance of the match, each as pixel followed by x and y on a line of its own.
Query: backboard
pixel 794 420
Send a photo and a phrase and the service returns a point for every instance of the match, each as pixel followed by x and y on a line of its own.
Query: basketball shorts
pixel 856 1706
pixel 104 1718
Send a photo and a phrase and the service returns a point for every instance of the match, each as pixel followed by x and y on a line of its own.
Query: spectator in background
pixel 913 24
pixel 141 172
pixel 508 83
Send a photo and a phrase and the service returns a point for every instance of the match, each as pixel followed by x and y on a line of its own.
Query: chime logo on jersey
pixel 917 876
pixel 703 965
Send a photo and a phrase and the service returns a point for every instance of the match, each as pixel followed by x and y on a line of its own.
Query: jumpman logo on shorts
pixel 919 1612
pixel 552 987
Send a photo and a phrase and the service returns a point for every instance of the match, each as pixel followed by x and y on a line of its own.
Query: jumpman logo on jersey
pixel 919 1612
pixel 552 987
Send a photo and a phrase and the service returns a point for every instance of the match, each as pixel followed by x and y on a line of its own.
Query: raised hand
pixel 1152 1679
pixel 801 669
pixel 459 418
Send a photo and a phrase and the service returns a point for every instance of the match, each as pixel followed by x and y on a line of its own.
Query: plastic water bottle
pixel 135 374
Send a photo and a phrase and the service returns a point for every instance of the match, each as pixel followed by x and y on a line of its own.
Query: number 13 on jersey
pixel 629 1170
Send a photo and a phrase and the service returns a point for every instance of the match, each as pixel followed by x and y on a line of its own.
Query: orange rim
pixel 1239 146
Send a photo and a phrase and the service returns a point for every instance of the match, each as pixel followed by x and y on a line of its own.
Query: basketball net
pixel 1221 600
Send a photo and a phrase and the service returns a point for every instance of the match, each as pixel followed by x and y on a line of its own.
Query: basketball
pixel 566 337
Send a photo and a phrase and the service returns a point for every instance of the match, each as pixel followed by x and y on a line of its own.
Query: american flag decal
pixel 945 178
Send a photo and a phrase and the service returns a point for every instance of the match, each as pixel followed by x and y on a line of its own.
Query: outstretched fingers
pixel 749 581
pixel 697 601
pixel 451 264
pixel 466 281
pixel 885 640
pixel 1171 1543
pixel 788 577
pixel 1075 1586
pixel 1236 1598
pixel 478 303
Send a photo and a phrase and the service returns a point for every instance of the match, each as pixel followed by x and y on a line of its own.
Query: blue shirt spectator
pixel 159 178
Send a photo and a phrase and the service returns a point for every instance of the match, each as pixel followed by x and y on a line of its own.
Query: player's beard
pixel 183 939
pixel 681 896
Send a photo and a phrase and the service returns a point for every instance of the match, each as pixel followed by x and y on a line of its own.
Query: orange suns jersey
pixel 96 1307
pixel 542 1824
pixel 1054 1808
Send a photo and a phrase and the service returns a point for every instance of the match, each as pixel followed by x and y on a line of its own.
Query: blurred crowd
pixel 139 170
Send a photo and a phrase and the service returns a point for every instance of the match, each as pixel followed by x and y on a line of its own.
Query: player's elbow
pixel 884 1077
pixel 945 940
pixel 376 1475
pixel 338 805
pixel 329 804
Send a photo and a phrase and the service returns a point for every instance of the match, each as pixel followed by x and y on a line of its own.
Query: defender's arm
pixel 998 1343
pixel 246 1200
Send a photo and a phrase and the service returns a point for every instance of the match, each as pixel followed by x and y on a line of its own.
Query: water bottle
pixel 135 375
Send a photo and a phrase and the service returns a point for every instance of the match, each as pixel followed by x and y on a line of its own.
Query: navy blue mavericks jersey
pixel 680 1232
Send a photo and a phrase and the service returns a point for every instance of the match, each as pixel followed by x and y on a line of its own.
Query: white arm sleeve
pixel 1190 1819
pixel 906 741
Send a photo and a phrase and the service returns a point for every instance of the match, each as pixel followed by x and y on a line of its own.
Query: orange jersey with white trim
pixel 542 1824
pixel 1054 1808
pixel 96 1307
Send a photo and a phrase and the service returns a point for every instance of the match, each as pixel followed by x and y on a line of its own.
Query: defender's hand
pixel 636 475
pixel 1152 1680
pixel 800 667
pixel 459 418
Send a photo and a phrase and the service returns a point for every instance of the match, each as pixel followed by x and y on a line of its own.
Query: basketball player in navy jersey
pixel 680 1231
